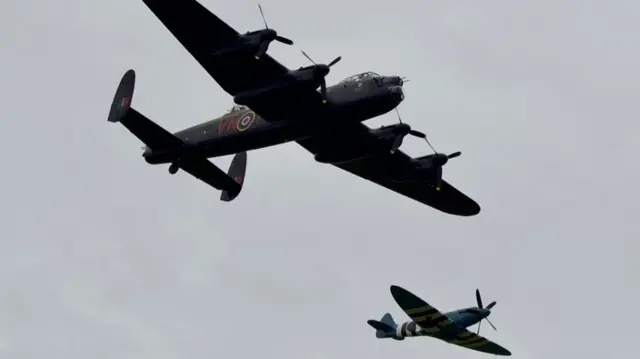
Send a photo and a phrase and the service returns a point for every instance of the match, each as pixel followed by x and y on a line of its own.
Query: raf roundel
pixel 246 121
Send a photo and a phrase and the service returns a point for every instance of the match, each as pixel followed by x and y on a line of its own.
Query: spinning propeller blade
pixel 492 326
pixel 488 307
pixel 321 71
pixel 397 142
pixel 406 130
pixel 478 298
pixel 417 134
pixel 264 45
pixel 335 61
pixel 437 160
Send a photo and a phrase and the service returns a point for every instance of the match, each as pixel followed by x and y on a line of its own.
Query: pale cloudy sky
pixel 104 256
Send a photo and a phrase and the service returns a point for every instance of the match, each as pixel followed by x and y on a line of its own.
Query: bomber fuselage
pixel 242 129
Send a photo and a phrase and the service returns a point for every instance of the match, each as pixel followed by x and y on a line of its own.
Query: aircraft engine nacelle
pixel 313 73
pixel 257 41
pixel 261 39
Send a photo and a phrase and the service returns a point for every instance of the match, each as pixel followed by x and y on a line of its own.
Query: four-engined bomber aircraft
pixel 275 105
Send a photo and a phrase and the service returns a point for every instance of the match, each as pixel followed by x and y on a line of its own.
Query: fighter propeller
pixel 488 307
pixel 320 72
pixel 268 36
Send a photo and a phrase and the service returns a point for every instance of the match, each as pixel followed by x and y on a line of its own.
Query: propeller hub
pixel 269 34
pixel 321 70
pixel 401 129
pixel 440 159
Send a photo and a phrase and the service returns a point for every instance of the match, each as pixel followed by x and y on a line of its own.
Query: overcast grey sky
pixel 105 257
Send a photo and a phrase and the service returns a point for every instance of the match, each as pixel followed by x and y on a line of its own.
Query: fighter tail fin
pixel 385 327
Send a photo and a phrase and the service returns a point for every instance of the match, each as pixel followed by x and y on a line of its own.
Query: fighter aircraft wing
pixel 380 169
pixel 427 317
pixel 202 33
pixel 437 324
pixel 470 340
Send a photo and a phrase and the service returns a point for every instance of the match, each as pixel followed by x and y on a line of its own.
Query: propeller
pixel 488 307
pixel 437 159
pixel 320 72
pixel 270 35
pixel 402 131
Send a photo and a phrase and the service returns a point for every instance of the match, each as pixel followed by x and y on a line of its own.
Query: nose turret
pixel 397 92
pixel 392 80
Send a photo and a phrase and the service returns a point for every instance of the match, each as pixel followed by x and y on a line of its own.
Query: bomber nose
pixel 397 91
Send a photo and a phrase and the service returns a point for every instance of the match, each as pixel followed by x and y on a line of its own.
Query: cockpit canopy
pixel 236 108
pixel 360 77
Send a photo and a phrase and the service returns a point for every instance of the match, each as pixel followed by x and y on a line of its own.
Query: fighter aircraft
pixel 276 105
pixel 450 327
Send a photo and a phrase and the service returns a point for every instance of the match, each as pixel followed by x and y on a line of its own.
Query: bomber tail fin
pixel 385 328
pixel 159 140
pixel 237 171
pixel 154 136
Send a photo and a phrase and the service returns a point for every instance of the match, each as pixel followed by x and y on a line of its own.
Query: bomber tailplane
pixel 159 140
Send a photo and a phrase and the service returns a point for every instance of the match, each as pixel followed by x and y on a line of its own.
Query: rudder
pixel 154 136
pixel 385 327
pixel 122 99
pixel 237 171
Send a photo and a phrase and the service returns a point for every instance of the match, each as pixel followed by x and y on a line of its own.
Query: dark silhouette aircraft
pixel 450 327
pixel 275 105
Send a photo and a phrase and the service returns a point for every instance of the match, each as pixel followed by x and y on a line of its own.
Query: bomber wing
pixel 380 169
pixel 202 34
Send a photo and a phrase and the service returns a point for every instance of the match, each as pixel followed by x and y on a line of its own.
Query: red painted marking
pixel 230 124
pixel 126 101
pixel 238 179
pixel 227 125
